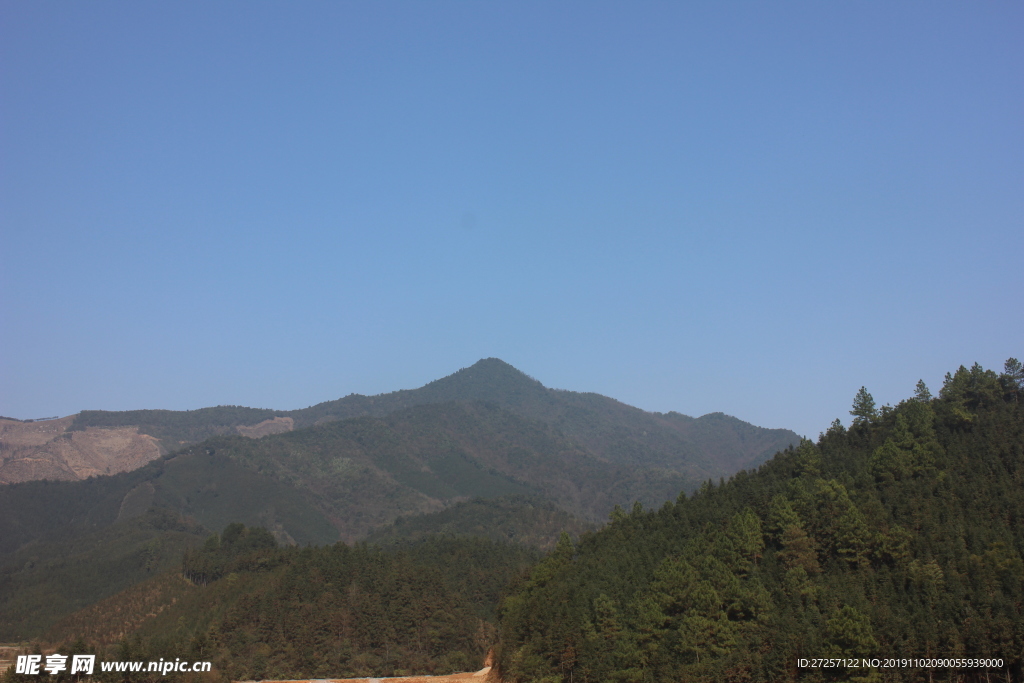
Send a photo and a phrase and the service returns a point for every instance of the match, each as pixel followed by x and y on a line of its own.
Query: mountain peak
pixel 496 367
pixel 492 362
pixel 489 379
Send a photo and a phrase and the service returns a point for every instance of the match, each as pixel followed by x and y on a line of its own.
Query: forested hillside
pixel 258 611
pixel 58 575
pixel 509 519
pixel 344 479
pixel 902 536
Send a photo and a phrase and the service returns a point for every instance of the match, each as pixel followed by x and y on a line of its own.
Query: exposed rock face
pixel 47 450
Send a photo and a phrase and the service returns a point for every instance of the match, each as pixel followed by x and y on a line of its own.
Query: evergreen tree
pixel 863 407
pixel 1013 378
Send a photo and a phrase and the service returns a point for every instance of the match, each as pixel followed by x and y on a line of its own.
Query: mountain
pixel 345 470
pixel 711 446
pixel 343 479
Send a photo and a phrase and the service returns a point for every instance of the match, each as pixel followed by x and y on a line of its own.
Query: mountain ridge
pixel 610 429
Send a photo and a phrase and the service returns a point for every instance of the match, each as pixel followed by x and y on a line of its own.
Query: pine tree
pixel 863 407
pixel 1013 378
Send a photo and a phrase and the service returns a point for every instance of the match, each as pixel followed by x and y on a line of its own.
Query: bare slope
pixel 48 450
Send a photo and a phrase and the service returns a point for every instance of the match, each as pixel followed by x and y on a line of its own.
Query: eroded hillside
pixel 47 449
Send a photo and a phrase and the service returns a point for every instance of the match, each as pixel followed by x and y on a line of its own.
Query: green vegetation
pixel 517 519
pixel 259 611
pixel 350 477
pixel 900 537
pixel 48 579
pixel 343 479
pixel 175 428
pixel 65 545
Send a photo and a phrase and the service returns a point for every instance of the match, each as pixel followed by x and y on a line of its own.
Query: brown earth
pixel 14 433
pixel 483 675
pixel 47 450
pixel 276 425
pixel 8 653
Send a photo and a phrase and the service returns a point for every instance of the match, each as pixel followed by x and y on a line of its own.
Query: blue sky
pixel 753 208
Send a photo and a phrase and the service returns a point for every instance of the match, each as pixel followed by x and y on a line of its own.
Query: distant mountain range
pixel 340 470
pixel 96 442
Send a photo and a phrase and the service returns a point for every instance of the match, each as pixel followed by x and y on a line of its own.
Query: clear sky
pixel 753 208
